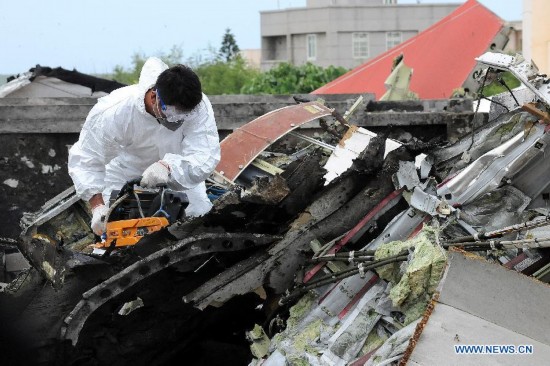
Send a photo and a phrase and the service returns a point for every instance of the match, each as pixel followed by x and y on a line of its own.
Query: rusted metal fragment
pixel 418 330
pixel 240 148
pixel 267 191
pixel 532 109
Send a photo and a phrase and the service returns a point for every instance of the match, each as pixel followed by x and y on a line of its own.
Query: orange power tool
pixel 123 233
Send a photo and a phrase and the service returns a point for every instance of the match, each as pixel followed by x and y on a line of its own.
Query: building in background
pixel 252 56
pixel 343 33
pixel 536 33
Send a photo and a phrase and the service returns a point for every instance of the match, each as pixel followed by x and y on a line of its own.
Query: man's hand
pixel 98 219
pixel 157 173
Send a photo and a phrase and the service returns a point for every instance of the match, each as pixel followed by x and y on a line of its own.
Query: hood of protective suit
pixel 151 70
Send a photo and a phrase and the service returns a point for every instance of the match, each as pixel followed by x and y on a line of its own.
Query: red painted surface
pixel 419 227
pixel 358 296
pixel 328 293
pixel 244 144
pixel 441 56
pixel 363 359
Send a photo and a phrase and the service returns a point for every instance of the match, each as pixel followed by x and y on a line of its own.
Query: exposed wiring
pixel 337 276
pixel 480 96
pixel 498 103
pixel 503 83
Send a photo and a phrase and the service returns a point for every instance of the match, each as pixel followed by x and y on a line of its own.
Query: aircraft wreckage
pixel 352 249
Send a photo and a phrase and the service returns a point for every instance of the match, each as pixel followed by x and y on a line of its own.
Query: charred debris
pixel 347 247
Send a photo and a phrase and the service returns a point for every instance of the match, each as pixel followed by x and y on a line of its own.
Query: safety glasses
pixel 172 115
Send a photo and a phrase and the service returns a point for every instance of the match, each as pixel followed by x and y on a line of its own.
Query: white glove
pixel 199 204
pixel 156 173
pixel 196 209
pixel 98 219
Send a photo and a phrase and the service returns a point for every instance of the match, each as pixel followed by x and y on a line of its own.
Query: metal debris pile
pixel 490 202
pixel 336 253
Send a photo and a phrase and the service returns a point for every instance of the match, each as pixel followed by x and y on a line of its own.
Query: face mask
pixel 172 126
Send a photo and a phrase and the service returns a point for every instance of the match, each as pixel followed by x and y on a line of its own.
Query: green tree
pixel 218 77
pixel 131 75
pixel 288 79
pixel 229 48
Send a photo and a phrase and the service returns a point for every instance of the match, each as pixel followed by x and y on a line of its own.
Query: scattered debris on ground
pixel 346 248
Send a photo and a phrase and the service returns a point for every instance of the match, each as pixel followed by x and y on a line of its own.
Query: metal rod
pixel 338 276
pixel 500 232
pixel 312 140
pixel 342 259
pixel 521 243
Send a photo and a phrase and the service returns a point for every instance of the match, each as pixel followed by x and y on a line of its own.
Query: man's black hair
pixel 180 86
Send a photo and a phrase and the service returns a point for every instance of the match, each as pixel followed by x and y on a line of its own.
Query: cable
pixel 480 93
pixel 497 103
pixel 299 291
pixel 138 204
pixel 503 83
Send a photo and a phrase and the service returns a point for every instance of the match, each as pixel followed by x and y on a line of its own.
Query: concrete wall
pixel 35 135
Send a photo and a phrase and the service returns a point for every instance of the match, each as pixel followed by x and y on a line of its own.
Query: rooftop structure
pixel 452 44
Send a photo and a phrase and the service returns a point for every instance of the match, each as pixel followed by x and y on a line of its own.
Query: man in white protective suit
pixel 162 129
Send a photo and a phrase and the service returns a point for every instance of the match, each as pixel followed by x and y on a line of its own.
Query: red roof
pixel 441 56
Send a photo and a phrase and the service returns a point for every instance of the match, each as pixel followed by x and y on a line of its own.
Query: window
pixel 360 45
pixel 311 47
pixel 392 39
pixel 389 2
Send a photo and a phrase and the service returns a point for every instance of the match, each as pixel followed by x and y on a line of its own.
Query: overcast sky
pixel 95 35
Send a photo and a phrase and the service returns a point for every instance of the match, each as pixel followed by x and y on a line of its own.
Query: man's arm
pixel 200 151
pixel 87 160
pixel 96 200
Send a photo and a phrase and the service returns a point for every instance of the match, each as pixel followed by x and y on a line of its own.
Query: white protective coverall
pixel 119 140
